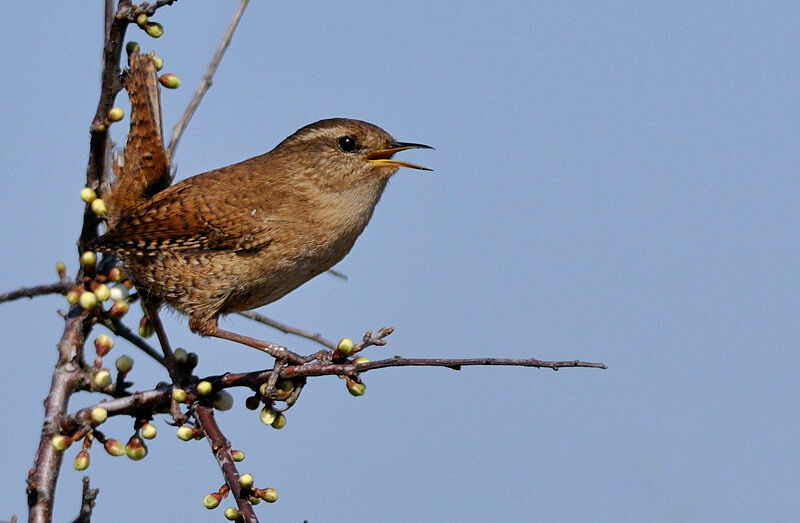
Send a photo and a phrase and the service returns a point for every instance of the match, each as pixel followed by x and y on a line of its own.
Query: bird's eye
pixel 347 144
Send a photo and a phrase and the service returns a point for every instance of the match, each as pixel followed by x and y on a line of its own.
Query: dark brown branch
pixel 205 83
pixel 221 448
pixel 88 497
pixel 288 329
pixel 60 287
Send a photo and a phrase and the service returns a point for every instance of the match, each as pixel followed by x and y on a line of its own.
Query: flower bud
pixel 237 455
pixel 345 346
pixel 101 379
pixel 114 447
pixel 135 449
pixel 73 296
pixel 116 114
pixel 88 195
pixel 148 431
pixel 131 47
pixel 179 395
pixel 61 269
pixel 223 400
pixel 98 416
pixel 231 514
pixel 87 300
pixel 116 274
pixel 169 80
pixel 99 207
pixel 124 364
pixel 204 388
pixel 118 310
pixel 158 63
pixel 185 433
pixel 141 20
pixel 102 292
pixel 103 343
pixel 118 292
pixel 246 481
pixel 268 415
pixel 88 259
pixel 279 422
pixel 180 356
pixel 356 388
pixel 154 29
pixel 270 495
pixel 81 461
pixel 212 500
pixel 61 442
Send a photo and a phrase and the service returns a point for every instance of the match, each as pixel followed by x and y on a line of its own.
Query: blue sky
pixel 614 182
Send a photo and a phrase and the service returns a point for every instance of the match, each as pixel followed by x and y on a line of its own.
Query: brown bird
pixel 242 236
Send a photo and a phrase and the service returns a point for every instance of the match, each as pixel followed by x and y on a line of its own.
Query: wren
pixel 245 235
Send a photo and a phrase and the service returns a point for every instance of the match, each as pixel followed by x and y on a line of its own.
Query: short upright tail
pixel 144 167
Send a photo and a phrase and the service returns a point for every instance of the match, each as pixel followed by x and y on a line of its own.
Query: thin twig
pixel 87 502
pixel 288 329
pixel 221 448
pixel 205 83
pixel 121 330
pixel 60 287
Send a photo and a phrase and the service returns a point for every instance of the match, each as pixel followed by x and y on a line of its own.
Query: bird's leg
pixel 276 351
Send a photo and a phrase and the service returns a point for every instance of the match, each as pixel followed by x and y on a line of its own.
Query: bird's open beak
pixel 384 156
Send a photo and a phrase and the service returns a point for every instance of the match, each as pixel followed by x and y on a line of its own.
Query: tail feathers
pixel 143 170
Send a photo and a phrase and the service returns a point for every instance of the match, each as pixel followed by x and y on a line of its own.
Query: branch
pixel 60 287
pixel 121 330
pixel 66 380
pixel 87 502
pixel 221 448
pixel 205 83
pixel 288 329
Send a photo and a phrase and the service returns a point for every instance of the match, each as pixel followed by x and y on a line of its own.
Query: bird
pixel 242 236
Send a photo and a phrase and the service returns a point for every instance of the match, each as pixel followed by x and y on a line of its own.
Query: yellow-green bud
pixel 98 415
pixel 102 292
pixel 223 400
pixel 231 514
pixel 356 388
pixel 211 501
pixel 262 389
pixel 360 359
pixel 237 455
pixel 268 415
pixel 88 259
pixel 246 481
pixel 114 447
pixel 61 269
pixel 131 47
pixel 154 29
pixel 180 356
pixel 254 500
pixel 102 379
pixel 73 296
pixel 169 80
pixel 346 346
pixel 270 495
pixel 88 195
pixel 204 388
pixel 279 422
pixel 61 442
pixel 185 433
pixel 124 364
pixel 136 449
pixel 116 114
pixel 149 431
pixel 158 63
pixel 99 207
pixel 145 328
pixel 88 300
pixel 179 395
pixel 81 461
pixel 141 20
